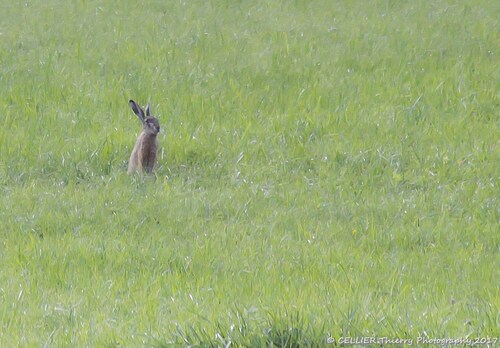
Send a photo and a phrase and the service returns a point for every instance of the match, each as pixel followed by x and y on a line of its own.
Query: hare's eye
pixel 153 125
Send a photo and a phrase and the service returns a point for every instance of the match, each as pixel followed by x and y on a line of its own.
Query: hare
pixel 143 157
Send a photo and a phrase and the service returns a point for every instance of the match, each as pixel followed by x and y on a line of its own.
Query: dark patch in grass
pixel 282 331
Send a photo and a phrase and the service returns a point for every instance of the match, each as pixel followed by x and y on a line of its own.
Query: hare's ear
pixel 137 110
pixel 148 112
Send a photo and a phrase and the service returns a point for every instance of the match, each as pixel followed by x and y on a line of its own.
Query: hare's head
pixel 150 124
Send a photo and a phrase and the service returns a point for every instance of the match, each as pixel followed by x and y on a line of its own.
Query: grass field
pixel 327 169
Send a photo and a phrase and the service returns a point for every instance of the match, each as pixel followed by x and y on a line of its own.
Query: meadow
pixel 327 169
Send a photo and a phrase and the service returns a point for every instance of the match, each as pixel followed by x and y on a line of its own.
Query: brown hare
pixel 143 157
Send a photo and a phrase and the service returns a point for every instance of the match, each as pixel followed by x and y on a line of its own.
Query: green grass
pixel 327 169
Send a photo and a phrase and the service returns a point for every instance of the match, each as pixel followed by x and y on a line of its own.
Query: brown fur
pixel 143 156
